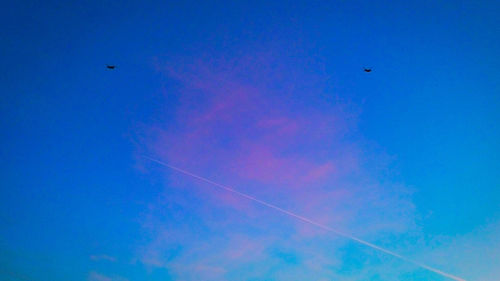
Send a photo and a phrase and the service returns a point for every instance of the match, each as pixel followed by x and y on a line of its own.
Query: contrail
pixel 304 219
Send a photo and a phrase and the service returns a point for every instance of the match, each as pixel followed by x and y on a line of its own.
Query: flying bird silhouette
pixel 368 69
pixel 110 66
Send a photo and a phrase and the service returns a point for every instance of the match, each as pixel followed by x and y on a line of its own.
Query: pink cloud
pixel 262 163
pixel 246 132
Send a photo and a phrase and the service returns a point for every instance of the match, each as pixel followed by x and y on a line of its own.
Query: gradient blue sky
pixel 414 146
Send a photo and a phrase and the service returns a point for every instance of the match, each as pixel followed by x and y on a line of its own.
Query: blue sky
pixel 270 98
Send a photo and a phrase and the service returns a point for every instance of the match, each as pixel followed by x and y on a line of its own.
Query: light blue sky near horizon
pixel 71 187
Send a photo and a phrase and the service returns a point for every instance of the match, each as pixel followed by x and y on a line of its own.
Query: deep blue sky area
pixel 70 183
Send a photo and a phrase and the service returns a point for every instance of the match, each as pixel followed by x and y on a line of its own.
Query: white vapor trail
pixel 304 219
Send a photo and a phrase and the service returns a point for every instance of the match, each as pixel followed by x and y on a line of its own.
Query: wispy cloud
pixel 95 276
pixel 241 123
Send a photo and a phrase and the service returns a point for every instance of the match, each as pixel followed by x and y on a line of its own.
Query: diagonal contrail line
pixel 304 219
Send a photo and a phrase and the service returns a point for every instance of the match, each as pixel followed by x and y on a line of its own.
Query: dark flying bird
pixel 110 66
pixel 368 69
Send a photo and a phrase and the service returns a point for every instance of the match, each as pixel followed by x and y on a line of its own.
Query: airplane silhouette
pixel 368 69
pixel 110 66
